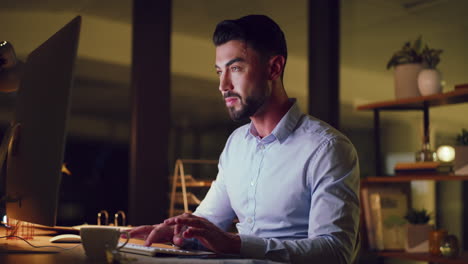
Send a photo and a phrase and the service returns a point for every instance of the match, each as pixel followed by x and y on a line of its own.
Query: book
pixel 384 208
pixel 461 86
pixel 423 167
pixel 367 217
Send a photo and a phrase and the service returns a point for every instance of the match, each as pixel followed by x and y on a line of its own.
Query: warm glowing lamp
pixel 446 153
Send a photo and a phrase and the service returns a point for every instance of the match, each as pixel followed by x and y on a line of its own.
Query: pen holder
pixel 106 217
pixel 120 218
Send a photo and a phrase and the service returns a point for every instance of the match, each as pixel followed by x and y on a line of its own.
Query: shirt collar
pixel 285 127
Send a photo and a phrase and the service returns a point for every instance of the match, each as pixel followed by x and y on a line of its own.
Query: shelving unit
pixel 422 103
pixel 181 182
pixel 462 259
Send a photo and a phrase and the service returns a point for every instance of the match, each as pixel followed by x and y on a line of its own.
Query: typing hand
pixel 191 226
pixel 161 233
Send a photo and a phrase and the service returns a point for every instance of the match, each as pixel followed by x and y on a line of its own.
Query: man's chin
pixel 238 116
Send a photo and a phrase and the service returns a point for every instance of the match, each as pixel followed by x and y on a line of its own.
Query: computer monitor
pixel 35 152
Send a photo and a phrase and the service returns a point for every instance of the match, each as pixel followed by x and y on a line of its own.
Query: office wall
pixel 101 96
pixel 100 100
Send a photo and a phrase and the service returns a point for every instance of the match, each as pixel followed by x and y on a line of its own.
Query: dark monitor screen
pixel 35 153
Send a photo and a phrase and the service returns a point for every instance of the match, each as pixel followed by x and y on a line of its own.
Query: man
pixel 290 179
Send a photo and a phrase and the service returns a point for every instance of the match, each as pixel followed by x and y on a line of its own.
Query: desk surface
pixel 77 255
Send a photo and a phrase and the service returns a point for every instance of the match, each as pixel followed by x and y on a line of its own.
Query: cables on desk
pixel 62 248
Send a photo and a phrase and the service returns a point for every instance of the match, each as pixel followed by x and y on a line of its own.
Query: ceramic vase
pixel 429 82
pixel 406 80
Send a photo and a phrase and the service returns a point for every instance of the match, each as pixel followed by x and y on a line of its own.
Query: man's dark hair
pixel 258 31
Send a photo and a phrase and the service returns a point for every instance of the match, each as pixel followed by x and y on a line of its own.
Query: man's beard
pixel 247 108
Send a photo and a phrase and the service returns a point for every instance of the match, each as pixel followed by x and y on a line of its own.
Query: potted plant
pixel 395 225
pixel 407 63
pixel 429 79
pixel 461 150
pixel 417 230
pixel 409 53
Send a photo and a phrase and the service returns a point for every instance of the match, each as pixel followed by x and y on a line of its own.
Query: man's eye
pixel 235 68
pixel 218 73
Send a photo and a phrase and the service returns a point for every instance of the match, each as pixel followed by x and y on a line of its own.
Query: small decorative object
pixel 461 150
pixel 407 63
pixel 418 229
pixel 427 167
pixel 450 247
pixel 426 153
pixel 435 241
pixel 429 79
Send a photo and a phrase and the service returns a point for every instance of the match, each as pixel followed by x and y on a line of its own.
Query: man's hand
pixel 161 233
pixel 213 238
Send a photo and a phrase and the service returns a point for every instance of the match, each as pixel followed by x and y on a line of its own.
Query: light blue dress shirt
pixel 295 192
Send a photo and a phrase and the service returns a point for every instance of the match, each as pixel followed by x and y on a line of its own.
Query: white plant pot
pixel 417 240
pixel 461 157
pixel 429 82
pixel 406 80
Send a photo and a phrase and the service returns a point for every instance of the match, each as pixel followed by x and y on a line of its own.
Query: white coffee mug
pixel 96 240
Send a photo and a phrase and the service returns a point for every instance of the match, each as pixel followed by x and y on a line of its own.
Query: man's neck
pixel 266 120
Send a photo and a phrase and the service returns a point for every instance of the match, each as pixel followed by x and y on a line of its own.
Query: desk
pixel 77 255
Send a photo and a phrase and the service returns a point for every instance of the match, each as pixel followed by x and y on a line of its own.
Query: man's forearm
pixel 311 250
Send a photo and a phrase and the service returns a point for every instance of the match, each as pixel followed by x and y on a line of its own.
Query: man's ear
pixel 276 64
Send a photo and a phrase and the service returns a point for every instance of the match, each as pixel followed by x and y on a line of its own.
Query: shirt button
pixel 249 220
pixel 261 146
pixel 252 183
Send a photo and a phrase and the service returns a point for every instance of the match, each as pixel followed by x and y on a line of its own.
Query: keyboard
pixel 163 249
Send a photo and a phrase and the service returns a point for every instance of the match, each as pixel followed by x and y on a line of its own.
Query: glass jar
pixel 426 153
pixel 435 240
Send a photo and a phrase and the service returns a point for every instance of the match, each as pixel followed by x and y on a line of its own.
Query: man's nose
pixel 225 83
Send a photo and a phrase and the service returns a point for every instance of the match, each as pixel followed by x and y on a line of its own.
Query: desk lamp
pixel 10 68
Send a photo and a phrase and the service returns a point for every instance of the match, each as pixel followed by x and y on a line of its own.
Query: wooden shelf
pixel 196 184
pixel 420 102
pixel 416 177
pixel 462 259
